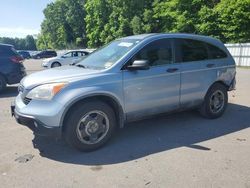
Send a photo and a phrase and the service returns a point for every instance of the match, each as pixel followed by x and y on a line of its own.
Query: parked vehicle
pixel 24 54
pixel 70 57
pixel 11 67
pixel 45 54
pixel 131 78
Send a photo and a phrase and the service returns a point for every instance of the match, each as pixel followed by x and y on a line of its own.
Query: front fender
pixel 72 96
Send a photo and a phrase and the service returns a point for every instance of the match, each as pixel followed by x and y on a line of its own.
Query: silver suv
pixel 129 79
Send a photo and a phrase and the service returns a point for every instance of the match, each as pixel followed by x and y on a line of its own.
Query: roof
pixel 170 35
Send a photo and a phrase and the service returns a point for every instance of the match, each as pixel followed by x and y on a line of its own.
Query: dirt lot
pixel 180 150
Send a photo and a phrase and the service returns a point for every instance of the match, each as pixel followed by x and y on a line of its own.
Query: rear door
pixel 198 70
pixel 153 91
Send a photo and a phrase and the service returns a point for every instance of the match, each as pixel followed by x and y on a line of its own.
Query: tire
pixel 55 64
pixel 215 102
pixel 2 83
pixel 80 126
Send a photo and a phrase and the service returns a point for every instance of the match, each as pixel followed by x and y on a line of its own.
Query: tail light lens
pixel 16 59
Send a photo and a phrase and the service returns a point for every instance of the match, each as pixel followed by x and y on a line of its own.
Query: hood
pixel 60 74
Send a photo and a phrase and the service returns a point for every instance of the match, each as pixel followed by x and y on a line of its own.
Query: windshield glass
pixel 106 56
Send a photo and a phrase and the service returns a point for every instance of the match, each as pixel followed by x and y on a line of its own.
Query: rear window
pixel 51 52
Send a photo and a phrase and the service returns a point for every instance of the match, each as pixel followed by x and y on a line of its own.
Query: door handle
pixel 210 65
pixel 171 70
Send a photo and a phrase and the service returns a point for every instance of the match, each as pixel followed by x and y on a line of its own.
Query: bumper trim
pixel 35 125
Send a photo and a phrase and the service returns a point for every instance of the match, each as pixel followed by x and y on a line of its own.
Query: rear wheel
pixel 215 102
pixel 89 126
pixel 2 83
pixel 55 64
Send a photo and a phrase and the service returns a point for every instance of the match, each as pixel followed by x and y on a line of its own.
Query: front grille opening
pixel 26 100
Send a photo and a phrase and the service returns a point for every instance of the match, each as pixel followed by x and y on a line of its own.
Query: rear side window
pixel 192 50
pixel 215 52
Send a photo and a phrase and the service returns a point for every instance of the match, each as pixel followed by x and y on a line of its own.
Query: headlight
pixel 46 91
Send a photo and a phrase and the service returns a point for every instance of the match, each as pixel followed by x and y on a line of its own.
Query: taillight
pixel 16 59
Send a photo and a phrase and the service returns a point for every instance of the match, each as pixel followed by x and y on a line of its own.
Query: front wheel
pixel 55 64
pixel 215 102
pixel 89 126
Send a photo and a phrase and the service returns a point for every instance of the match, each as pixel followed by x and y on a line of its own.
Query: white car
pixel 70 57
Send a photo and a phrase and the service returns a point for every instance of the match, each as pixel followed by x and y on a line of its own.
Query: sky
pixel 19 18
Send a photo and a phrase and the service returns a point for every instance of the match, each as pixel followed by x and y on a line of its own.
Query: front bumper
pixel 35 125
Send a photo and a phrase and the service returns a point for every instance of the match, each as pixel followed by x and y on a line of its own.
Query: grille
pixel 26 100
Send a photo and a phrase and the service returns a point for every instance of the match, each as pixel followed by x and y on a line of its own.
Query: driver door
pixel 153 91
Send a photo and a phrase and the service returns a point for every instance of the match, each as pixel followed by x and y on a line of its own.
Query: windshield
pixel 106 56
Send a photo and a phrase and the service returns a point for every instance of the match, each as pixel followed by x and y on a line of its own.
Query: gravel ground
pixel 179 150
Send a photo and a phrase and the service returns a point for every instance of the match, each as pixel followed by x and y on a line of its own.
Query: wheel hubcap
pixel 217 101
pixel 92 127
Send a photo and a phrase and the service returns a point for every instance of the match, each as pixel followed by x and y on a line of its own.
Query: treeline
pixel 27 43
pixel 92 23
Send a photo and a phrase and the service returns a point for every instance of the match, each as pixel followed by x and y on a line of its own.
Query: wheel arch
pixel 218 82
pixel 110 100
pixel 55 62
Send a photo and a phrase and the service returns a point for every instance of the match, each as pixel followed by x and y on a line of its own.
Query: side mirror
pixel 139 65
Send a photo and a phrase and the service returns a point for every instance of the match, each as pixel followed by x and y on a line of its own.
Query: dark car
pixel 24 54
pixel 45 54
pixel 11 67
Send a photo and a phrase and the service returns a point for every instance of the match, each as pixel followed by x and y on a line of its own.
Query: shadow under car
pixel 143 138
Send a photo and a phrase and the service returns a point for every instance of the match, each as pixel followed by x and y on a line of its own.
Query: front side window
pixel 157 53
pixel 108 55
pixel 192 50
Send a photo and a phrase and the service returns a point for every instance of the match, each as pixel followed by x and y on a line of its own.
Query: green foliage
pixel 63 26
pixel 77 23
pixel 27 43
pixel 234 20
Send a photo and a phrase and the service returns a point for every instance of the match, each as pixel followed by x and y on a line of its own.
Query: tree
pixel 107 20
pixel 136 25
pixel 234 20
pixel 30 43
pixel 27 43
pixel 63 24
pixel 77 23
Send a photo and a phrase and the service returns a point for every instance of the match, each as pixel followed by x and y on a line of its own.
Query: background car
pixel 70 57
pixel 24 54
pixel 11 67
pixel 45 54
